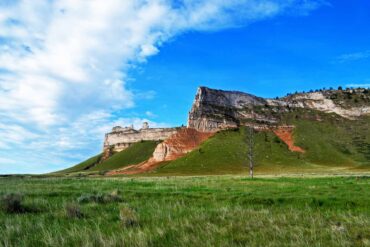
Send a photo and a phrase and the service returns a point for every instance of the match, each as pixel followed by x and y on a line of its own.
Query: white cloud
pixel 364 85
pixel 350 57
pixel 63 64
pixel 150 114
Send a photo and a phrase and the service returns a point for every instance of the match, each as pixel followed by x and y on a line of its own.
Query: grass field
pixel 187 211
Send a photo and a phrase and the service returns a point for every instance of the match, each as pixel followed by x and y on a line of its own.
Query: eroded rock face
pixel 176 146
pixel 179 144
pixel 285 133
pixel 213 109
pixel 322 101
pixel 121 138
pixel 217 109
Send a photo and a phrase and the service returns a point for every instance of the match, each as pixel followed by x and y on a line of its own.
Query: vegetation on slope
pixel 330 139
pixel 190 211
pixel 134 154
pixel 329 142
pixel 226 153
pixel 83 166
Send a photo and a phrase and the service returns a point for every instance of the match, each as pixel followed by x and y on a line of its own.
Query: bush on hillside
pixel 73 210
pixel 13 203
pixel 114 196
pixel 128 217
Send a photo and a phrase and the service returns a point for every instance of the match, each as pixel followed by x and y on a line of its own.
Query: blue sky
pixel 70 70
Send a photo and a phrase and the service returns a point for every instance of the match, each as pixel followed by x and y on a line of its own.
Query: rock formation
pixel 285 133
pixel 176 146
pixel 121 138
pixel 213 109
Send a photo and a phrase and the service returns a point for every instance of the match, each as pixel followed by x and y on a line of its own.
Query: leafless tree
pixel 250 141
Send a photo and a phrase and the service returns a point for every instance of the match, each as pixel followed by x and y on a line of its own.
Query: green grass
pixel 134 154
pixel 190 211
pixel 83 166
pixel 330 143
pixel 226 152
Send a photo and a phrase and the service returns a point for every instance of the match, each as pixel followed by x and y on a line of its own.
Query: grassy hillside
pixel 83 166
pixel 329 143
pixel 134 154
pixel 332 140
pixel 226 152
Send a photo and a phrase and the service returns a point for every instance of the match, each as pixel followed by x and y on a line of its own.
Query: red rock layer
pixel 176 146
pixel 286 135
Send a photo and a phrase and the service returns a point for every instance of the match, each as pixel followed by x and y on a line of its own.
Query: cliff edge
pixel 213 109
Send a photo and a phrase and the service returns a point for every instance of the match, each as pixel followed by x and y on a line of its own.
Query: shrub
pixel 128 217
pixel 114 196
pixel 100 197
pixel 86 198
pixel 102 173
pixel 13 203
pixel 73 210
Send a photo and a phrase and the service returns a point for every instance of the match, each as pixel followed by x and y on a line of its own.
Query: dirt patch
pixel 176 146
pixel 286 135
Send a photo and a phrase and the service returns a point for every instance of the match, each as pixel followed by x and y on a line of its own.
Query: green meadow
pixel 185 211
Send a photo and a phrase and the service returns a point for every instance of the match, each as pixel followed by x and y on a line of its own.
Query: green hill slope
pixel 83 166
pixel 332 143
pixel 329 143
pixel 134 154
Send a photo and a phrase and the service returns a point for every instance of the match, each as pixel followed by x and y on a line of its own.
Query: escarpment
pixel 287 128
pixel 214 110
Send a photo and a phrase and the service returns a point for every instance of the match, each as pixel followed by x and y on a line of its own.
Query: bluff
pixel 315 130
pixel 214 109
pixel 120 138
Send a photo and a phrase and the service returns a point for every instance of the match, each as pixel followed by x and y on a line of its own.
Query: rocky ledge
pixel 214 109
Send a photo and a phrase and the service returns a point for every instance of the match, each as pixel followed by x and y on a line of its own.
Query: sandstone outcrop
pixel 213 109
pixel 121 138
pixel 285 133
pixel 176 146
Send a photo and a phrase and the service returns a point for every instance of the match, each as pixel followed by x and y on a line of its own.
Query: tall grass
pixel 192 211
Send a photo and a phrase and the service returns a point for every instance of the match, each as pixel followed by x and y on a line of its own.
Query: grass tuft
pixel 100 197
pixel 73 210
pixel 128 217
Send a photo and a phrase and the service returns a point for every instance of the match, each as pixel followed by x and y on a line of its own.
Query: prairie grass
pixel 191 211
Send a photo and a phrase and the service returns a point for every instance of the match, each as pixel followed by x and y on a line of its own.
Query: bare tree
pixel 251 150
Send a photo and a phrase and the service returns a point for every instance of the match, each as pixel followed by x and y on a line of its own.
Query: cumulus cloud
pixel 64 63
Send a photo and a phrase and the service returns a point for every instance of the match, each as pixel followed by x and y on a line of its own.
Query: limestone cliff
pixel 174 147
pixel 121 138
pixel 217 109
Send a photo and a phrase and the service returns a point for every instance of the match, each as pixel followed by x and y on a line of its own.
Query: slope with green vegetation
pixel 134 154
pixel 185 211
pixel 83 166
pixel 330 142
